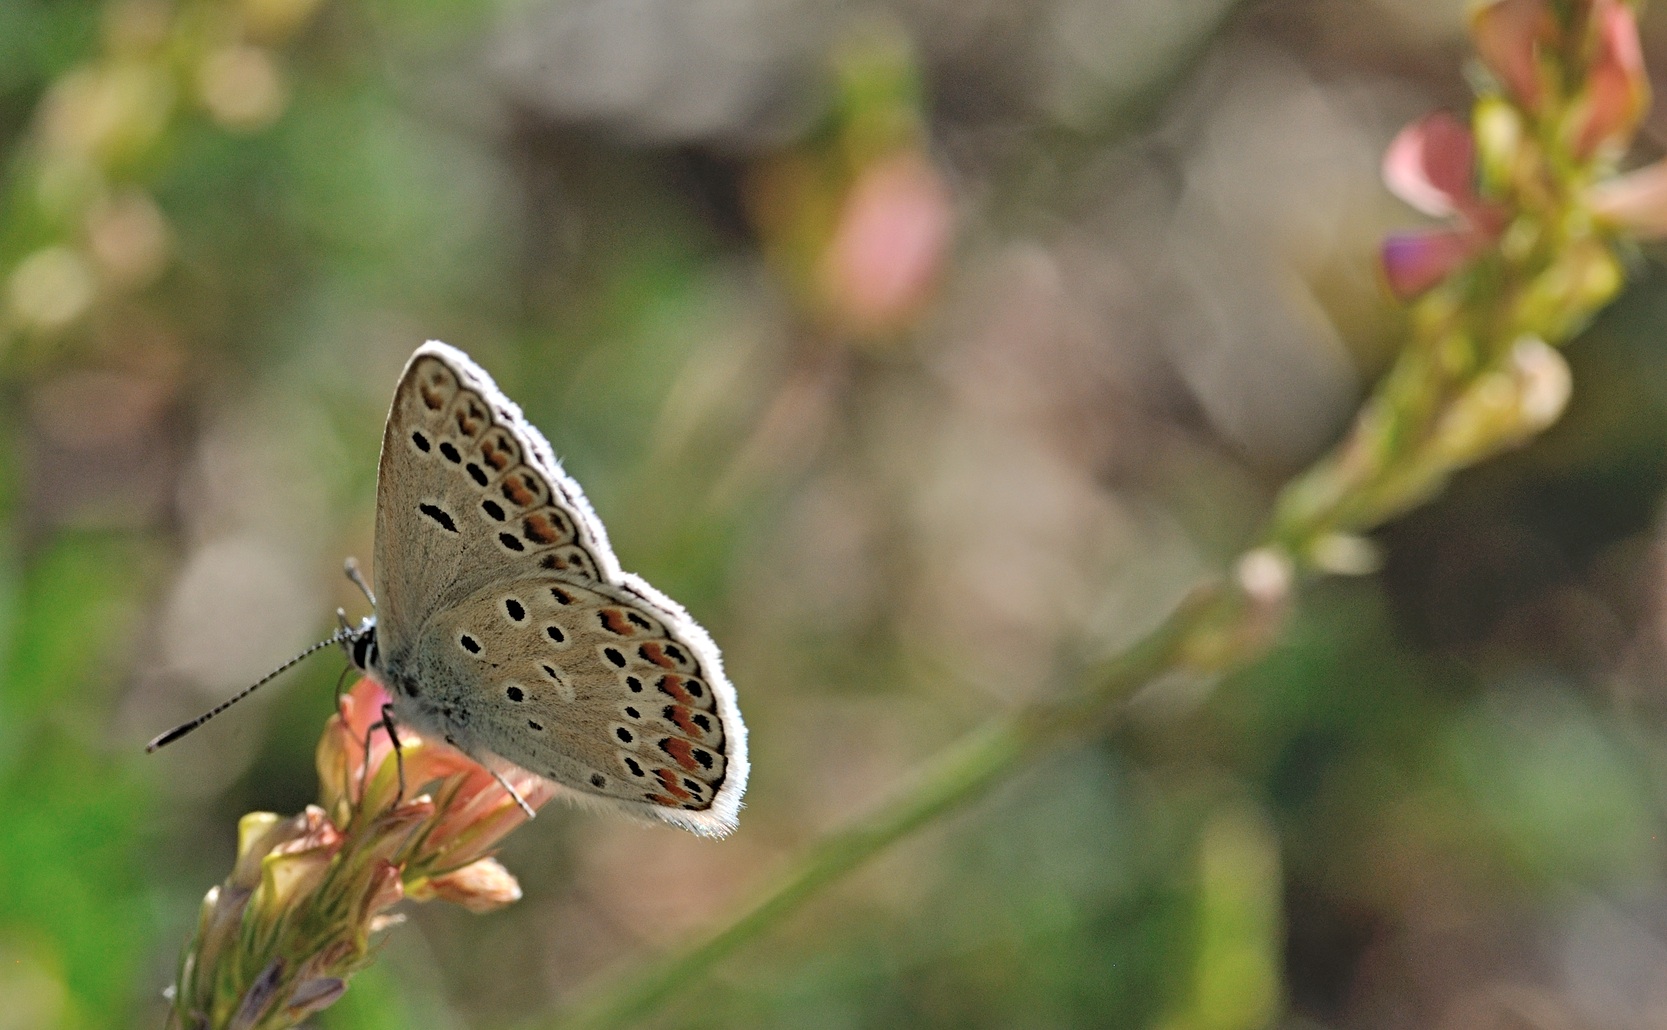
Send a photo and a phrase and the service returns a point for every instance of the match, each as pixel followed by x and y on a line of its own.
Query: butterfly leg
pixel 385 723
pixel 519 800
pixel 399 752
pixel 505 784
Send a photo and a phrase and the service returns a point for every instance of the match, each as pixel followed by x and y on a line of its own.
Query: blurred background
pixel 911 345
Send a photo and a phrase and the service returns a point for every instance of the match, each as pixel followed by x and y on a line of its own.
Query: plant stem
pixel 959 775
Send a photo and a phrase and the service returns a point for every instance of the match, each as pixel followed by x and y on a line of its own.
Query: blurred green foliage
pixel 891 533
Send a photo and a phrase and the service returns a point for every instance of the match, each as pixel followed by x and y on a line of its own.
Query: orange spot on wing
pixel 668 779
pixel 614 621
pixel 681 752
pixel 432 397
pixel 470 418
pixel 541 529
pixel 673 685
pixel 519 490
pixel 680 716
pixel 661 799
pixel 496 454
pixel 656 654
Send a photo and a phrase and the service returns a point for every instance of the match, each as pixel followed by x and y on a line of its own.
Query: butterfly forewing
pixel 506 625
pixel 462 492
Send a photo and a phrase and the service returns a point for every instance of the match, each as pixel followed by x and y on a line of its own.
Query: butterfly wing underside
pixel 500 599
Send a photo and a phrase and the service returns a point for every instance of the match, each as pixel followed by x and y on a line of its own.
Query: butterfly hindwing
pixel 476 524
pixel 591 687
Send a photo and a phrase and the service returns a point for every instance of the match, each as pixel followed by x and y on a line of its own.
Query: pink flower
pixel 889 241
pixel 1635 202
pixel 1573 68
pixel 282 936
pixel 1617 91
pixel 1510 36
pixel 1432 165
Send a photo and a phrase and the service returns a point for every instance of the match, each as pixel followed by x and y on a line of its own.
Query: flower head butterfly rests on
pixel 506 628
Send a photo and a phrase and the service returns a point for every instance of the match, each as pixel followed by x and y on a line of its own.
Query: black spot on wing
pixel 439 515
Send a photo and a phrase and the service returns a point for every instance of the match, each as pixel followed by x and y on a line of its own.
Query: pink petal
pixel 889 244
pixel 1636 201
pixel 1431 164
pixel 1509 34
pixel 1415 261
pixel 1617 91
pixel 480 886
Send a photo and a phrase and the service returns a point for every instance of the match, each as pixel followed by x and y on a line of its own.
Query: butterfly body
pixel 505 626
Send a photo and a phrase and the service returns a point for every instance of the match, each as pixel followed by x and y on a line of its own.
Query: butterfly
pixel 505 626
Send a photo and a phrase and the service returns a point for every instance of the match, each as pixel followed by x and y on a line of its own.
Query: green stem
pixel 964 772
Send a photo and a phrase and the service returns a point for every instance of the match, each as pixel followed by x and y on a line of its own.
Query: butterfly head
pixel 360 645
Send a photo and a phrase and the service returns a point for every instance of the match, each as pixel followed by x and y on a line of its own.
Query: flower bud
pixel 480 886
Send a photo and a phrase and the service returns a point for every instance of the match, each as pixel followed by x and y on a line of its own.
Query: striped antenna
pixel 183 728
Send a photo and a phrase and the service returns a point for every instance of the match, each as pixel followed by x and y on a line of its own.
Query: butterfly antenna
pixel 186 727
pixel 351 567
